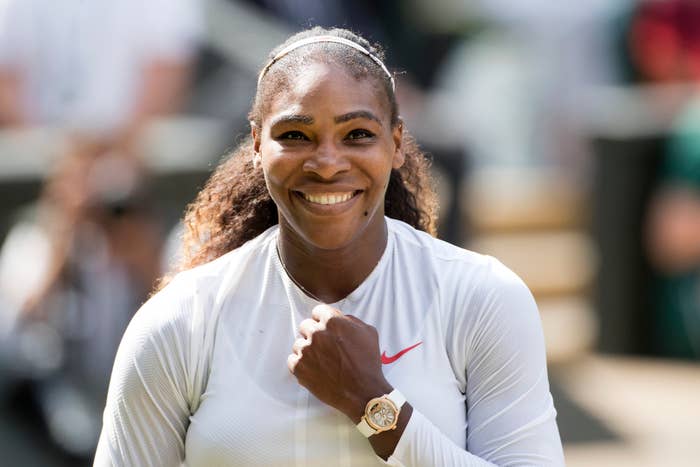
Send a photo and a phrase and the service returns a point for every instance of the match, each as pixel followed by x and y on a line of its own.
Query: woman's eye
pixel 293 136
pixel 359 134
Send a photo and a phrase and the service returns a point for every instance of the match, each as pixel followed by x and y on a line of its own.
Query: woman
pixel 305 247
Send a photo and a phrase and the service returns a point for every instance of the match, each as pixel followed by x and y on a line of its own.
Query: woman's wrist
pixel 384 443
pixel 356 403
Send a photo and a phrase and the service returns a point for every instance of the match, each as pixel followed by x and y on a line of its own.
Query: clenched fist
pixel 337 359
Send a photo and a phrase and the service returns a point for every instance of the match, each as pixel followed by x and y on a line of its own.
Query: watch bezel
pixel 383 400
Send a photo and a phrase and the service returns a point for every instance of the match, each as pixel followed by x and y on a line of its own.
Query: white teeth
pixel 328 198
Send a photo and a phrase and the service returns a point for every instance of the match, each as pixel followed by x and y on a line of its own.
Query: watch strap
pixel 397 398
pixel 365 429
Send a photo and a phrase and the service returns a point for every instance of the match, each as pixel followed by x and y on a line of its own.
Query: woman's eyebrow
pixel 357 114
pixel 292 118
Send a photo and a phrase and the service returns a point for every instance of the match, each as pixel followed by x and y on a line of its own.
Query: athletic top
pixel 201 375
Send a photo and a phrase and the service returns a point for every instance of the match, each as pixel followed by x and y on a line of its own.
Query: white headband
pixel 316 39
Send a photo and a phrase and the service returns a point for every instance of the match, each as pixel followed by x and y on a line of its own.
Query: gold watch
pixel 381 414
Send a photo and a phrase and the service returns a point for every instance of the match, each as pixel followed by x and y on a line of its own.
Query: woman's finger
pixel 299 344
pixel 322 313
pixel 309 326
pixel 292 361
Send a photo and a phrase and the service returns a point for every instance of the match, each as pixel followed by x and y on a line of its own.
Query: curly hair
pixel 234 206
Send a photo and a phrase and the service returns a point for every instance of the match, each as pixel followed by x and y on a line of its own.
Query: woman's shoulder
pixel 458 271
pixel 444 254
pixel 211 273
pixel 193 293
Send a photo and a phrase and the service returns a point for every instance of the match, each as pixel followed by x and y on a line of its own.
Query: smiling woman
pixel 329 137
pixel 312 298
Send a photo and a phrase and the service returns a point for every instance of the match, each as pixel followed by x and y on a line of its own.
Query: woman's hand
pixel 337 360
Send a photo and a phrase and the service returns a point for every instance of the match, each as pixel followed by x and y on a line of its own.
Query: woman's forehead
pixel 327 87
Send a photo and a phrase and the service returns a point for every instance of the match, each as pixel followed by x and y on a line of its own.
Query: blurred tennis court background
pixel 557 131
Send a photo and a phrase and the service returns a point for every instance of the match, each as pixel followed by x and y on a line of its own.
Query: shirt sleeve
pixel 511 420
pixel 148 403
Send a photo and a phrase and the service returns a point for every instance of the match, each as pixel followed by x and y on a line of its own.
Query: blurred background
pixel 565 139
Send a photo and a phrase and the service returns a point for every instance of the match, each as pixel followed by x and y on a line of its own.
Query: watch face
pixel 381 414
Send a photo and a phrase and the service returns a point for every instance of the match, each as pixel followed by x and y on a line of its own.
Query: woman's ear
pixel 255 134
pixel 397 134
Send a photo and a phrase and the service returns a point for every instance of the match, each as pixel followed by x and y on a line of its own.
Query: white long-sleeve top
pixel 201 376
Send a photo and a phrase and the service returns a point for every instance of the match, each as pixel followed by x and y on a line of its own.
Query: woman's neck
pixel 331 275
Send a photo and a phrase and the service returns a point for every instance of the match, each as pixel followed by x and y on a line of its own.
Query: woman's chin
pixel 337 232
pixel 329 239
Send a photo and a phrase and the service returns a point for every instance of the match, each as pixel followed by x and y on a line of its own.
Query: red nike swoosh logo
pixel 386 360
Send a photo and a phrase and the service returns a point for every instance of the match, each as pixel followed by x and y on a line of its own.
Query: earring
pixel 256 160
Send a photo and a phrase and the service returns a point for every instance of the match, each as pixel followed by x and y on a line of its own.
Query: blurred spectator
pixel 77 265
pixel 674 241
pixel 664 46
pixel 514 91
pixel 72 273
pixel 101 67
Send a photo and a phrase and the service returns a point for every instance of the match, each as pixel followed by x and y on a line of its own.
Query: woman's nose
pixel 327 161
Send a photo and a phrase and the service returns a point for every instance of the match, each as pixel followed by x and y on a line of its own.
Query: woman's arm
pixel 497 343
pixel 511 418
pixel 148 404
pixel 338 351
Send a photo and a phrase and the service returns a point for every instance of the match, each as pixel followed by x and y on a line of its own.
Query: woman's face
pixel 327 148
